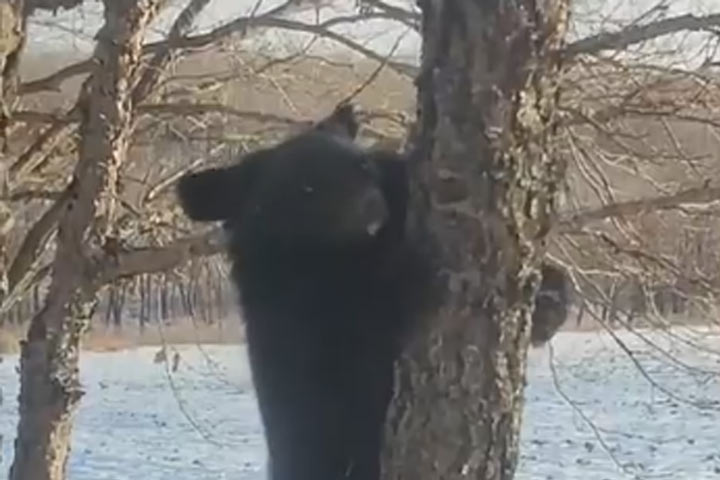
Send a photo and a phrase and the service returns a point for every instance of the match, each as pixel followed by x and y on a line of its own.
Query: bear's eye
pixel 308 189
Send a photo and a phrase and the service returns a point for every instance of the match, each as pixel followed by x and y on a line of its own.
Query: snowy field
pixel 139 421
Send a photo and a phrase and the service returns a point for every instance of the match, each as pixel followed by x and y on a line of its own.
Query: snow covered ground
pixel 139 421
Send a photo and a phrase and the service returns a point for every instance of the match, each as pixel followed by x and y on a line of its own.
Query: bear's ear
pixel 217 193
pixel 342 122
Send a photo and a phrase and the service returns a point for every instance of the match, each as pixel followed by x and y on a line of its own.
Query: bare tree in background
pixel 637 223
pixel 50 387
pixel 86 235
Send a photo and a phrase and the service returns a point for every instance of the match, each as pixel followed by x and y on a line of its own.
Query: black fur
pixel 551 304
pixel 329 284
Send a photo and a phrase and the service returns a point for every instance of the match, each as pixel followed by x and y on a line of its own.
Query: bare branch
pixel 44 144
pixel 321 30
pixel 34 242
pixel 698 195
pixel 155 190
pixel 160 49
pixel 373 76
pixel 152 109
pixel 641 33
pixel 157 65
pixel 159 259
pixel 25 195
pixel 32 277
pixel 208 108
pixel 53 81
pixel 205 108
pixel 240 25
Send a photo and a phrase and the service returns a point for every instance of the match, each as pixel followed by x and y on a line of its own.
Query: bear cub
pixel 328 282
pixel 330 286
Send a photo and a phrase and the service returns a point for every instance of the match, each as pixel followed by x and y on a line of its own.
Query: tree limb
pixel 34 241
pixel 159 259
pixel 697 195
pixel 30 194
pixel 320 29
pixel 641 33
pixel 156 66
pixel 205 108
pixel 38 152
pixel 243 24
pixel 53 81
pixel 593 44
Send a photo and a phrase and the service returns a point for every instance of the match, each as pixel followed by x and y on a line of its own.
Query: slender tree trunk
pixel 220 297
pixel 110 305
pixel 143 315
pixel 152 311
pixel 185 297
pixel 119 306
pixel 194 292
pixel 163 292
pixel 36 299
pixel 483 186
pixel 174 310
pixel 50 387
pixel 580 314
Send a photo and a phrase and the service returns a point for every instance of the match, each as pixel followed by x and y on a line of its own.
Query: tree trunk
pixel 483 189
pixel 109 306
pixel 163 293
pixel 50 387
pixel 36 299
pixel 143 315
pixel 185 297
pixel 12 41
pixel 119 306
pixel 220 297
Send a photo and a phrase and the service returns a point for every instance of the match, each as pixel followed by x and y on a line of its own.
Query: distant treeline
pixel 201 292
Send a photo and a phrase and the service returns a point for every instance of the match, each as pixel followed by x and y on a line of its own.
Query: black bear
pixel 328 282
pixel 330 285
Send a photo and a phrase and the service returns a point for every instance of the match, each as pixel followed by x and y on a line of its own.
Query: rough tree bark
pixel 50 388
pixel 12 40
pixel 483 188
